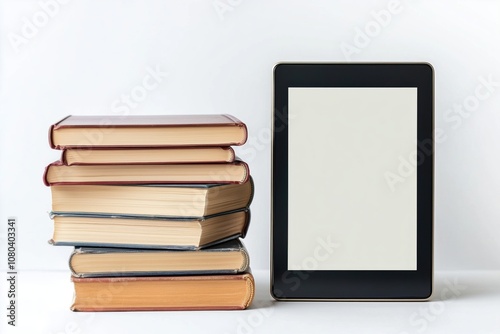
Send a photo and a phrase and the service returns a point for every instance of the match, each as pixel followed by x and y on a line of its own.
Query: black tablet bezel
pixel 352 285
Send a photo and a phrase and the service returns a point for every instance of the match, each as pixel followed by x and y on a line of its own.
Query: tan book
pixel 139 156
pixel 233 172
pixel 147 131
pixel 152 200
pixel 144 232
pixel 230 257
pixel 203 292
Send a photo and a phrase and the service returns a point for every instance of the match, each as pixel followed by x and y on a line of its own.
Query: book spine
pixel 250 283
pixel 51 133
pixel 252 192
pixel 239 123
pixel 246 260
pixel 45 172
pixel 232 154
pixel 64 159
pixel 70 262
pixel 247 224
pixel 51 140
pixel 247 171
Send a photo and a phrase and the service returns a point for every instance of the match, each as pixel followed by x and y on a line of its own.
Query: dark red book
pixel 147 131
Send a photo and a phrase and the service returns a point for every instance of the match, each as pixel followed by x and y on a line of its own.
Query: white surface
pixel 89 55
pixel 339 171
pixel 465 302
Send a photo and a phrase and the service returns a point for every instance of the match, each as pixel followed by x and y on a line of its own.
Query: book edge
pixel 238 122
pixel 53 127
pixel 246 259
pixel 250 283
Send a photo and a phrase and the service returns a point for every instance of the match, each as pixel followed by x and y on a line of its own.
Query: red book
pixel 217 173
pixel 147 131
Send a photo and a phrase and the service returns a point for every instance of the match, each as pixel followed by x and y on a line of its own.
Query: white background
pixel 220 61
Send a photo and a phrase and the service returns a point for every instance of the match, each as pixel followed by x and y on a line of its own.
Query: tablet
pixel 352 181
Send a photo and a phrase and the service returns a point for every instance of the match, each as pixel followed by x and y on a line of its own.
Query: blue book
pixel 230 257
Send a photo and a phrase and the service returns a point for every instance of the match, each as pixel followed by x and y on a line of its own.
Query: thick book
pixel 144 232
pixel 139 156
pixel 234 172
pixel 203 292
pixel 195 200
pixel 147 131
pixel 230 257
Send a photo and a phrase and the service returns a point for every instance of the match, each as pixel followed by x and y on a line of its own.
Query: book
pixel 230 257
pixel 203 292
pixel 234 172
pixel 147 155
pixel 147 131
pixel 182 200
pixel 145 232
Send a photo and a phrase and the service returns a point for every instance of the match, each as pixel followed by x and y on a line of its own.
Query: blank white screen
pixel 342 213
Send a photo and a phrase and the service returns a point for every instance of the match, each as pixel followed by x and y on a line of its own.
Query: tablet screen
pixel 351 149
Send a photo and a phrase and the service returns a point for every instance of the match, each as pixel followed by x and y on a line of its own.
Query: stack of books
pixel 155 207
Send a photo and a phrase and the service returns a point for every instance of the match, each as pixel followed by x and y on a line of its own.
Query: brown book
pixel 230 257
pixel 147 131
pixel 145 232
pixel 139 156
pixel 203 292
pixel 233 172
pixel 195 200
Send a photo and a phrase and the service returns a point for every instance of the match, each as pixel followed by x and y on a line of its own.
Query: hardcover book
pixel 147 131
pixel 145 232
pixel 230 257
pixel 139 156
pixel 152 200
pixel 203 292
pixel 234 172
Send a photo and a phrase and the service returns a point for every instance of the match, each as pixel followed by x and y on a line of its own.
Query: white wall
pixel 219 57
